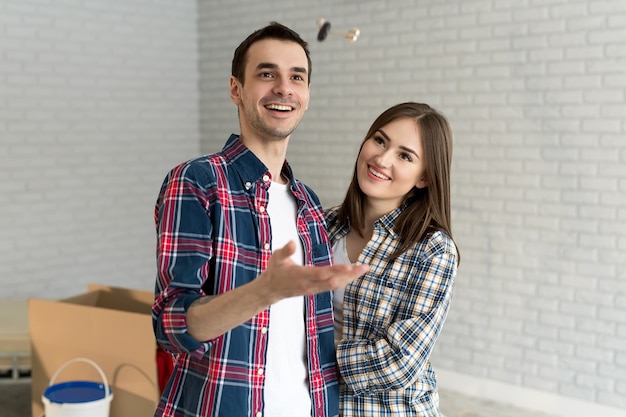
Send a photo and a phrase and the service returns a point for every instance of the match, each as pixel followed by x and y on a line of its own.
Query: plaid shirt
pixel 213 235
pixel 392 317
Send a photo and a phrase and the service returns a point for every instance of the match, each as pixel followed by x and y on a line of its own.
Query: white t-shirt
pixel 286 374
pixel 340 254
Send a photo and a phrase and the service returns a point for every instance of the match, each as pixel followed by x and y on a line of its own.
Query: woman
pixel 396 218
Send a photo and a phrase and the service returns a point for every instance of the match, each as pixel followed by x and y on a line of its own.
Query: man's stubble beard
pixel 267 132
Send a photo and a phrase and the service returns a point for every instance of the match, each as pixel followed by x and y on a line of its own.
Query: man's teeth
pixel 278 107
pixel 378 174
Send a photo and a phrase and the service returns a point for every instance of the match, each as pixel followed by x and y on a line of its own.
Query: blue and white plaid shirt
pixel 392 318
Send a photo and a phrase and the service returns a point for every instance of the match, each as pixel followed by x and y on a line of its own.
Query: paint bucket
pixel 77 398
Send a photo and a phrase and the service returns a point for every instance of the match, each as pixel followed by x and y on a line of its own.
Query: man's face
pixel 275 93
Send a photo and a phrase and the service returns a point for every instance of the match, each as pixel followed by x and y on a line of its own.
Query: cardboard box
pixel 14 339
pixel 112 327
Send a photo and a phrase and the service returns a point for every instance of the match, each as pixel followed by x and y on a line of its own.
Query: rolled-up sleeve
pixel 184 249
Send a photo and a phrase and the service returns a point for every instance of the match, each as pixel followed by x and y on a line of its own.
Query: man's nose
pixel 283 86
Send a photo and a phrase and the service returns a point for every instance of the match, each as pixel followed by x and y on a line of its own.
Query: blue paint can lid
pixel 75 392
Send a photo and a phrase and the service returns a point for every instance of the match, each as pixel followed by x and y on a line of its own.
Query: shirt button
pixel 248 184
pixel 261 209
pixel 263 330
pixel 266 246
pixel 266 178
pixel 259 414
pixel 260 371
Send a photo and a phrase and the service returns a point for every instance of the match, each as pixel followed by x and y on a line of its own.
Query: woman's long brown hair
pixel 425 210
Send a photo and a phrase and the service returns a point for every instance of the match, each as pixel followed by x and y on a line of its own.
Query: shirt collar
pixel 250 168
pixel 388 220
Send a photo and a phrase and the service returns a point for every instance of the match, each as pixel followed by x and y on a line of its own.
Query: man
pixel 244 264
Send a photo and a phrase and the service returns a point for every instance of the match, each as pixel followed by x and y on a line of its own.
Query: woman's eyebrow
pixel 404 148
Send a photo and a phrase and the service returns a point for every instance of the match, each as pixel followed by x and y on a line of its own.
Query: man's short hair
pixel 272 31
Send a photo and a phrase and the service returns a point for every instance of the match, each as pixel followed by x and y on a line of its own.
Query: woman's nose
pixel 383 159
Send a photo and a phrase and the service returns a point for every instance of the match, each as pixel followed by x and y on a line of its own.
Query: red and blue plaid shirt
pixel 213 235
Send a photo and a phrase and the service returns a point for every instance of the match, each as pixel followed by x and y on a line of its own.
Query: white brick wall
pixel 535 92
pixel 98 99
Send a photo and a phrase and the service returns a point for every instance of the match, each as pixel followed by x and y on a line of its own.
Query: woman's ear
pixel 422 182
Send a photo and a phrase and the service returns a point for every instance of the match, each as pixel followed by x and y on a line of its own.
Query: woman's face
pixel 391 163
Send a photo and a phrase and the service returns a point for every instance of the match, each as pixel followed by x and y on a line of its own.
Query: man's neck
pixel 271 152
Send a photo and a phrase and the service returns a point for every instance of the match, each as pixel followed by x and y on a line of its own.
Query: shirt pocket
pixel 376 303
pixel 320 253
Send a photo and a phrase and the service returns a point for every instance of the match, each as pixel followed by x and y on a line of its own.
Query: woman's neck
pixel 371 213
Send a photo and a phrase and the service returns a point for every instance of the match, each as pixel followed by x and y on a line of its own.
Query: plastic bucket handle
pixel 92 363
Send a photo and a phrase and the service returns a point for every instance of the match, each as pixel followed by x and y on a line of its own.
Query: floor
pixel 454 404
pixel 15 402
pixel 14 399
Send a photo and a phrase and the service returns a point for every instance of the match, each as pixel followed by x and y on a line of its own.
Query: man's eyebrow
pixel 404 148
pixel 299 69
pixel 269 65
pixel 266 65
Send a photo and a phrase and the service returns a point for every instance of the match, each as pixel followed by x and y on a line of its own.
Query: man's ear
pixel 235 90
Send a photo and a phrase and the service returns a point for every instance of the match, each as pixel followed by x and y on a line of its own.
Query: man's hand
pixel 284 278
pixel 209 317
